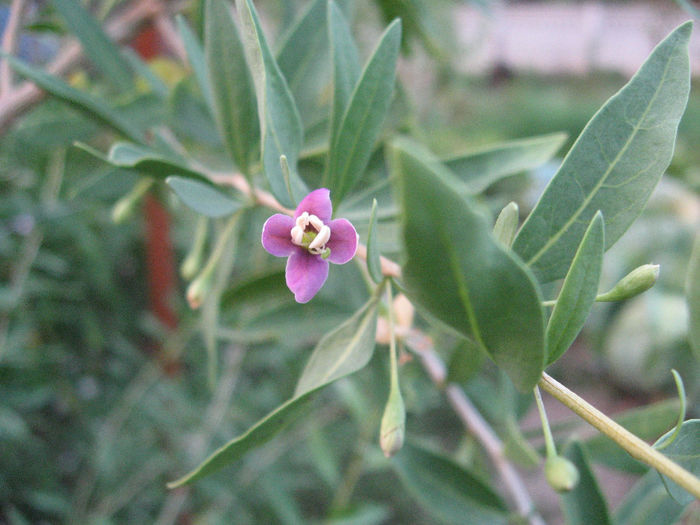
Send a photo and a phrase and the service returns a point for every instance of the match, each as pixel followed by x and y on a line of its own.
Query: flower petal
pixel 317 203
pixel 276 236
pixel 305 274
pixel 343 242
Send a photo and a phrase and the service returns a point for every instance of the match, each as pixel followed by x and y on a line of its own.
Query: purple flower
pixel 310 239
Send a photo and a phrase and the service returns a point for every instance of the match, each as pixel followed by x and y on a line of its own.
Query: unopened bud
pixel 562 474
pixel 403 309
pixel 193 261
pixel 124 207
pixel 506 224
pixel 392 430
pixel 637 281
pixel 199 288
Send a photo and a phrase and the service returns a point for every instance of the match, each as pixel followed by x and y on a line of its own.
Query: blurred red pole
pixel 160 257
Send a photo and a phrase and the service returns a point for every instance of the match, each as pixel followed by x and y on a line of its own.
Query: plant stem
pixel 548 439
pixel 635 446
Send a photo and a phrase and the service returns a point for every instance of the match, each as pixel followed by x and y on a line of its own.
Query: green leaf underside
pixel 203 198
pixel 232 93
pixel 84 102
pixel 196 59
pixel 144 160
pixel 479 169
pixel 374 266
pixel 460 274
pixel 578 292
pixel 281 132
pixel 693 297
pixel 615 163
pixel 685 450
pixel 103 53
pixel 303 56
pixel 447 490
pixel 364 116
pixel 357 333
pixel 341 352
pixel 585 504
pixel 648 503
pixel 346 66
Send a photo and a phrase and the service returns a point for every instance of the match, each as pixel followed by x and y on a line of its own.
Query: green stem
pixel 548 438
pixel 636 447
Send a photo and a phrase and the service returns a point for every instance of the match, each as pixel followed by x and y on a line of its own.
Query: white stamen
pixel 315 222
pixel 322 238
pixel 303 220
pixel 297 235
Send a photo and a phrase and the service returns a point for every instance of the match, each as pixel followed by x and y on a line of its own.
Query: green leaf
pixel 346 65
pixel 479 169
pixel 685 450
pixel 614 165
pixel 648 503
pixel 281 132
pixel 692 294
pixel 77 99
pixel 363 118
pixel 233 96
pixel 447 490
pixel 465 362
pixel 343 351
pixel 457 271
pixel 142 69
pixel 374 266
pixel 203 198
pixel 196 59
pixel 339 353
pixel 103 53
pixel 585 504
pixel 302 58
pixel 145 160
pixel 578 292
pixel 646 422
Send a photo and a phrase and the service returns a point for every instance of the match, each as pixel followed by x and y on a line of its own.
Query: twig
pixel 476 425
pixel 16 101
pixel 636 447
pixel 9 43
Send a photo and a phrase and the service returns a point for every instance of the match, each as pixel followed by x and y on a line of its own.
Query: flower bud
pixel 562 474
pixel 124 207
pixel 193 261
pixel 506 224
pixel 637 281
pixel 403 309
pixel 392 430
pixel 199 288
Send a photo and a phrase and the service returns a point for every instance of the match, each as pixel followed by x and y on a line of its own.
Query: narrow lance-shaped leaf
pixel 196 59
pixel 233 97
pixel 479 169
pixel 363 118
pixel 457 271
pixel 281 132
pixel 648 503
pixel 614 165
pixel 339 353
pixel 144 160
pixel 203 198
pixel 684 450
pixel 346 65
pixel 447 490
pixel 578 292
pixel 84 102
pixel 303 58
pixel 103 53
pixel 585 504
pixel 144 71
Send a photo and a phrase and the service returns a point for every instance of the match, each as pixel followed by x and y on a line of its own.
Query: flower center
pixel 309 232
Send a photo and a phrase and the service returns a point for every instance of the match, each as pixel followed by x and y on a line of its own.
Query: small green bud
pixel 637 281
pixel 392 430
pixel 193 262
pixel 507 224
pixel 562 474
pixel 198 289
pixel 124 207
